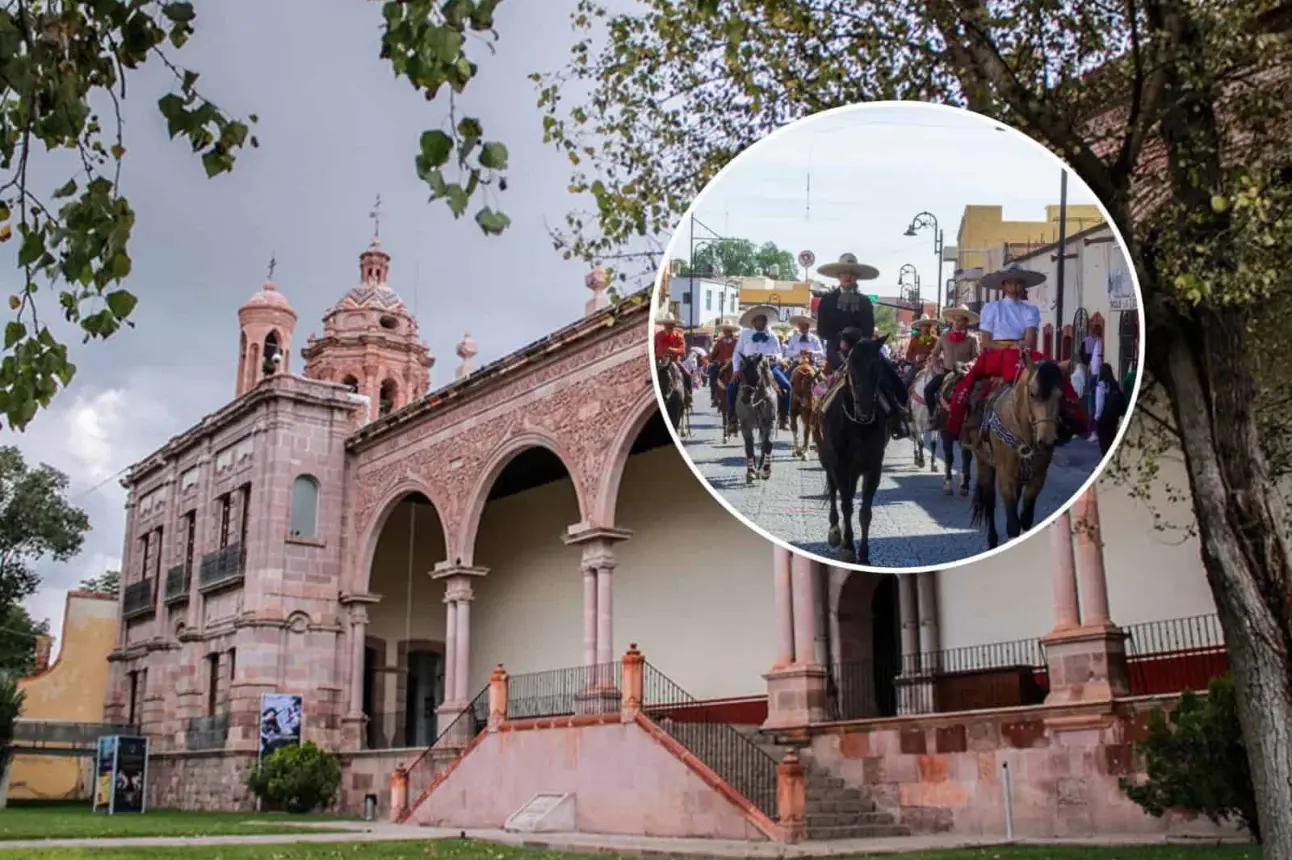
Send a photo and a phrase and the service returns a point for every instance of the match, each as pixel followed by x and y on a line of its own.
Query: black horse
pixel 851 438
pixel 672 388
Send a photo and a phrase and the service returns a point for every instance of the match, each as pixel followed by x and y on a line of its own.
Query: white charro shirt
pixel 801 343
pixel 1007 319
pixel 746 345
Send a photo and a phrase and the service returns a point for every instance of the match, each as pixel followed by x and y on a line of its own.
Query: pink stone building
pixel 380 546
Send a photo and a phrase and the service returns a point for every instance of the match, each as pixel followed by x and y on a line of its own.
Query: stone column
pixel 929 640
pixel 1090 551
pixel 1067 615
pixel 589 615
pixel 791 798
pixel 605 609
pixel 784 607
pixel 450 648
pixel 597 565
pixel 462 595
pixel 497 697
pixel 352 725
pixel 796 694
pixel 908 609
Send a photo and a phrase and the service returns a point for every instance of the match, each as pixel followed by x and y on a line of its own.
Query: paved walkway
pixel 589 843
pixel 914 523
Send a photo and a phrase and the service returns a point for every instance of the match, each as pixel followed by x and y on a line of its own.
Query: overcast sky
pixel 336 129
pixel 872 169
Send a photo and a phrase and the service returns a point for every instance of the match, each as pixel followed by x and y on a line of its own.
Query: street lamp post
pixel 913 289
pixel 929 221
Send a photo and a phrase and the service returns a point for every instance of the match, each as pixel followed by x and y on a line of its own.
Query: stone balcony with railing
pixel 224 568
pixel 178 579
pixel 140 599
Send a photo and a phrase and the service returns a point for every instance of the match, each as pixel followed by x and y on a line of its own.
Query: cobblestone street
pixel 914 523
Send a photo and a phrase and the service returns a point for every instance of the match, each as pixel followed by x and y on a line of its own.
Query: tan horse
pixel 1015 446
pixel 802 381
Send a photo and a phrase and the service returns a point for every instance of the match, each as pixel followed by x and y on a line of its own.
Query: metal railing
pixel 221 568
pixel 563 692
pixel 178 579
pixel 978 677
pixel 1164 657
pixel 735 758
pixel 140 598
pixel 447 745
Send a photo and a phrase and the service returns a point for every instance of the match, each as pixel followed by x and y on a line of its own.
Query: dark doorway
pixel 885 625
pixel 425 693
pixel 373 731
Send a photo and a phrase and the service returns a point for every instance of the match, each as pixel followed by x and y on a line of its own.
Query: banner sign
pixel 1121 286
pixel 121 775
pixel 280 721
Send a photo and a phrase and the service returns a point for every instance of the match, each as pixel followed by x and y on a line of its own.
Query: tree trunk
pixel 1203 362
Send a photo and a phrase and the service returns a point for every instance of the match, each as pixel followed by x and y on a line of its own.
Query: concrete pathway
pixel 589 843
pixel 913 523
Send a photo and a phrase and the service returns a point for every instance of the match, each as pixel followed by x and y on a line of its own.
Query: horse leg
pixel 948 456
pixel 832 490
pixel 794 431
pixel 869 485
pixel 966 460
pixel 1027 505
pixel 847 494
pixel 1009 501
pixel 747 431
pixel 917 445
pixel 985 500
pixel 933 450
pixel 766 458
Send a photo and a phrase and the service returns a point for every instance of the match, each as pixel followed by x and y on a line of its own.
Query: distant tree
pixel 886 320
pixel 108 582
pixel 18 632
pixel 37 523
pixel 742 258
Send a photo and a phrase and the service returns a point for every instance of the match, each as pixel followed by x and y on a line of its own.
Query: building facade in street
pixel 381 546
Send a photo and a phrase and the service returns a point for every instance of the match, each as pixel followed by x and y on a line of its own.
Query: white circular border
pixel 985 554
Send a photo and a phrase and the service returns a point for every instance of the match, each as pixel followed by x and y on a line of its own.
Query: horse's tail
pixel 978 508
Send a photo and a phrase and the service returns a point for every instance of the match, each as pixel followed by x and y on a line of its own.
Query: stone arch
pixel 367 543
pixel 463 549
pixel 607 492
pixel 388 396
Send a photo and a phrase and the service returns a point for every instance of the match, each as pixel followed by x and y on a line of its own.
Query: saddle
pixel 826 397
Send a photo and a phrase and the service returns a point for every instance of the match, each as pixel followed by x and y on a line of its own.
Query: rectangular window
pixel 226 517
pixel 190 539
pixel 233 668
pixel 133 697
pixel 157 553
pixel 244 514
pixel 708 300
pixel 212 683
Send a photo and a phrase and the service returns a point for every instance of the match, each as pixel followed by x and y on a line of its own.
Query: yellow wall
pixel 983 227
pixel 761 291
pixel 72 690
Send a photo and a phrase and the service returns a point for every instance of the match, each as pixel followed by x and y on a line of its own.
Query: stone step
pixel 824 783
pixel 865 831
pixel 849 819
pixel 841 805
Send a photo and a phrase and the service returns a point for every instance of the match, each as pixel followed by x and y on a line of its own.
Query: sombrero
pixel 747 318
pixel 848 263
pixel 950 314
pixel 666 319
pixel 1012 272
pixel 799 319
pixel 924 322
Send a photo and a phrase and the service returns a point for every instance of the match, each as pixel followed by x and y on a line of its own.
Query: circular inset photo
pixel 896 336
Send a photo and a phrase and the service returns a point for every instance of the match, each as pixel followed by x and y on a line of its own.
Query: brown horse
pixel 1015 445
pixel 720 379
pixel 802 381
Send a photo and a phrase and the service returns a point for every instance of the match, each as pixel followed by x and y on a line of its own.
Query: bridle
pixel 879 401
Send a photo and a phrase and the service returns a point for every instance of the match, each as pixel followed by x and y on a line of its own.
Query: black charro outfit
pixel 839 310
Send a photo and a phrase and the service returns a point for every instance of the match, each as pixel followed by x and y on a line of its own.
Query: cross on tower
pixel 375 215
pixel 273 264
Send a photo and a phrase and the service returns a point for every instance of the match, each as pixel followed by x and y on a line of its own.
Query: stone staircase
pixel 834 810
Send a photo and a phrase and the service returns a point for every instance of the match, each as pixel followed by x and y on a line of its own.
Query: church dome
pixel 374 291
pixel 268 297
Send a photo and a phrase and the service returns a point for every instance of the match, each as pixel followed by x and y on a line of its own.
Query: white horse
pixel 922 421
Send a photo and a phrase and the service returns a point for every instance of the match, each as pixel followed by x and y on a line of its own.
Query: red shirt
pixel 669 342
pixel 723 350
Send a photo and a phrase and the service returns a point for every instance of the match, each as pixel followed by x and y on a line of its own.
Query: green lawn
pixel 454 849
pixel 62 821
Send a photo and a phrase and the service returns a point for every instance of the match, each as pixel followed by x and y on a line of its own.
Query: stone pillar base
pixel 1086 664
pixel 915 695
pixel 352 732
pixel 795 697
pixel 598 700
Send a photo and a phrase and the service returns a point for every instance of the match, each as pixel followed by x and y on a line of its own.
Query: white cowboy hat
pixel 924 322
pixel 1012 272
pixel 729 328
pixel 848 263
pixel 799 319
pixel 747 318
pixel 952 314
pixel 666 319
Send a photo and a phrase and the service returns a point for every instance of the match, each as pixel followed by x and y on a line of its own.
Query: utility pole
pixel 1063 253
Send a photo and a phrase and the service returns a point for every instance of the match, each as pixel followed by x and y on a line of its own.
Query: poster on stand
pixel 104 759
pixel 280 722
pixel 131 780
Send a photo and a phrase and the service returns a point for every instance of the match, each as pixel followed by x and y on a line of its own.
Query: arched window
pixel 1127 342
pixel 351 383
pixel 305 507
pixel 386 399
pixel 273 354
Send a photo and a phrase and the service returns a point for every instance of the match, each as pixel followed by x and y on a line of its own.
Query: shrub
pixel 1195 760
pixel 11 701
pixel 297 778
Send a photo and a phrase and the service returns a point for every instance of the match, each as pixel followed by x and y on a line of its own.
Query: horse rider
pixel 1008 326
pixel 924 336
pixel 724 348
pixel 957 345
pixel 670 344
pixel 759 341
pixel 803 341
pixel 845 306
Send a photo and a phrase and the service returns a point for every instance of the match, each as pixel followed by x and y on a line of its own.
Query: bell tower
pixel 265 345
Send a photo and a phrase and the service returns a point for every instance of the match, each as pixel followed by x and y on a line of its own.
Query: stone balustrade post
pixel 398 793
pixel 497 697
pixel 791 798
pixel 633 683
